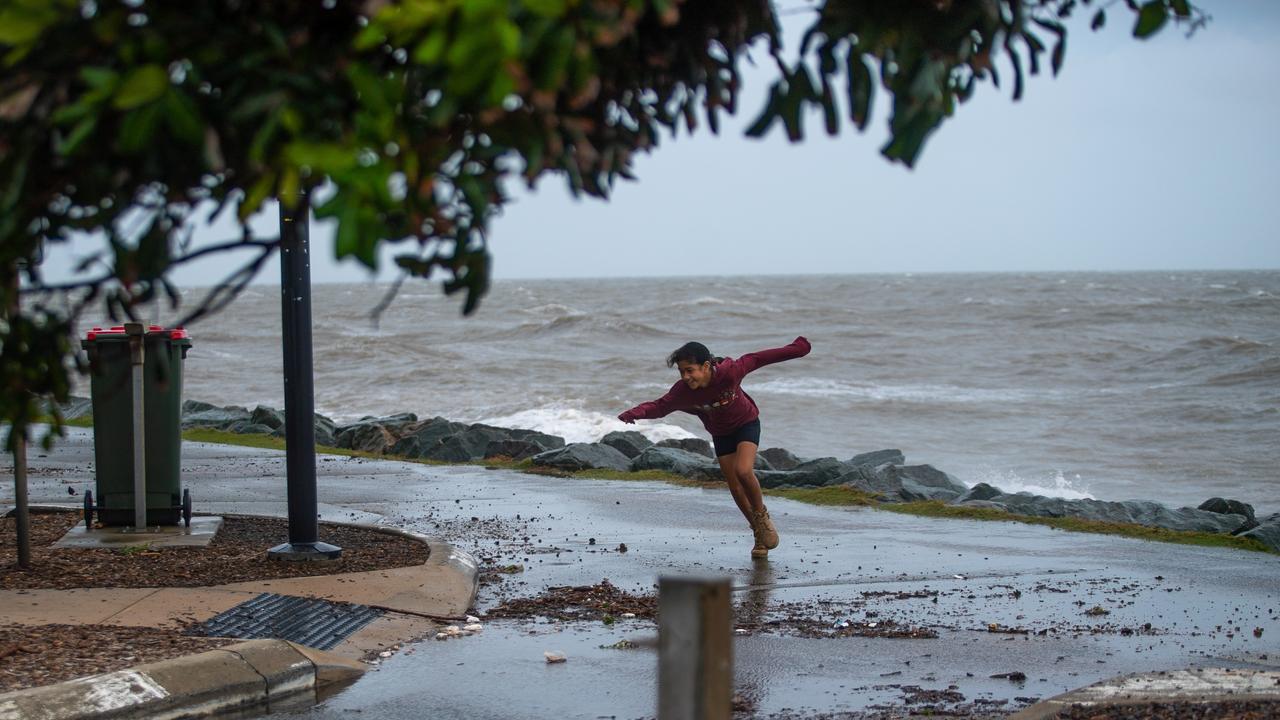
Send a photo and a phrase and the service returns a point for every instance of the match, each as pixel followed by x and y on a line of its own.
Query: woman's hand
pixel 627 418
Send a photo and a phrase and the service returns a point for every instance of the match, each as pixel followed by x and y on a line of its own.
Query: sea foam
pixel 1056 485
pixel 582 426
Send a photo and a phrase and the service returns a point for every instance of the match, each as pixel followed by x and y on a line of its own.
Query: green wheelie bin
pixel 111 391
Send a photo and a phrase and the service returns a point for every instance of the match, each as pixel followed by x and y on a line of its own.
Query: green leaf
pixel 430 50
pixel 829 114
pixel 182 117
pixel 138 127
pixel 142 85
pixel 347 240
pixel 545 8
pixel 326 157
pixel 554 60
pixel 861 86
pixel 77 135
pixel 370 37
pixel 254 198
pixel 20 26
pixel 99 78
pixel 1099 19
pixel 768 115
pixel 1182 8
pixel 1151 18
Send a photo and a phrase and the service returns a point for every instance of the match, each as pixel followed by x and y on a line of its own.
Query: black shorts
pixel 728 444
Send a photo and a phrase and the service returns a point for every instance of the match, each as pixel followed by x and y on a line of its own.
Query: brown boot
pixel 766 534
pixel 759 551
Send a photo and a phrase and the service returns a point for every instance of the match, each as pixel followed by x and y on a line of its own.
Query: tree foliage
pixel 132 120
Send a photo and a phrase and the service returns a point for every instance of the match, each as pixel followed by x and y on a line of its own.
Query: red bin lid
pixel 177 333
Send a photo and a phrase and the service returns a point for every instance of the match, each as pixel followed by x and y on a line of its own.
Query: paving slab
pixel 201 532
pixel 80 606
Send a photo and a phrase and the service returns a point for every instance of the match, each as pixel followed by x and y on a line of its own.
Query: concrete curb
pixel 1197 685
pixel 267 675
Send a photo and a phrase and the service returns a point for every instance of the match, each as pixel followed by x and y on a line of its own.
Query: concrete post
pixel 695 649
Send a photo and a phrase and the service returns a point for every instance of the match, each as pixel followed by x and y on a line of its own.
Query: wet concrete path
pixel 1064 609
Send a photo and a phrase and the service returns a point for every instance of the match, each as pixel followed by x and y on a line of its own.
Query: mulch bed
pixel 36 655
pixel 237 554
pixel 31 656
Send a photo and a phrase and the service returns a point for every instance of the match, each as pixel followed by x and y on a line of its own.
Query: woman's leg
pixel 729 468
pixel 738 469
pixel 744 464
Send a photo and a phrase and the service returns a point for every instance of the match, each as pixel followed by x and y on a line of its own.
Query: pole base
pixel 305 552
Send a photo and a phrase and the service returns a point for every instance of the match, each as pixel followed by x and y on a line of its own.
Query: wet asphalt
pixel 1063 609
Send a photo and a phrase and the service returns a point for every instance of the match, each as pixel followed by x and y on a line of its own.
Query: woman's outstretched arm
pixel 754 360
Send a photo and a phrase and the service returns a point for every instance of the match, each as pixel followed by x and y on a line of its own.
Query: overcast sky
pixel 1140 155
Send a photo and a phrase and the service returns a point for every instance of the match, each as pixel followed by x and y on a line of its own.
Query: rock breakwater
pixel 881 474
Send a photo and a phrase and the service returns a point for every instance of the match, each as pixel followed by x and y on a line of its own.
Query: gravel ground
pixel 36 655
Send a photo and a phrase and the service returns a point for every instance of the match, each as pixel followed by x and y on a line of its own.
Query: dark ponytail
pixel 693 352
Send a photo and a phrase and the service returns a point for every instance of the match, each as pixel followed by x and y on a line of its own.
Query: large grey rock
pixel 322 428
pixel 373 434
pixel 1267 532
pixel 422 437
pixel 248 427
pixel 541 439
pixel 777 478
pixel 195 406
pixel 219 418
pixel 879 457
pixel 627 442
pixel 981 491
pixel 268 416
pixel 929 481
pixel 818 472
pixel 906 483
pixel 583 456
pixel 1227 507
pixel 694 445
pixel 780 458
pixel 468 444
pixel 514 449
pixel 365 437
pixel 675 461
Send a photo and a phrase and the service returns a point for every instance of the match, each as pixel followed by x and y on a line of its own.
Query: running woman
pixel 711 388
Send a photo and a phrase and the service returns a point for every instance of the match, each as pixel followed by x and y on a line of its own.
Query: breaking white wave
pixel 1057 485
pixel 582 426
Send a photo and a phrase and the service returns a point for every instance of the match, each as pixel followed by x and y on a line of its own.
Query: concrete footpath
pixel 1085 617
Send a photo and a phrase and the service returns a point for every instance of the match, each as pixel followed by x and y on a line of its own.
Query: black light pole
pixel 299 392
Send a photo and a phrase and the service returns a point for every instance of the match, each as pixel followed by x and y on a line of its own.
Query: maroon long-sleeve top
pixel 722 405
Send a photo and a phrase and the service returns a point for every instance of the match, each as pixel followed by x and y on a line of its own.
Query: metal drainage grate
pixel 319 624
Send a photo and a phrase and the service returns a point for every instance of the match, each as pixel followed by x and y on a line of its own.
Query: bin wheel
pixel 186 506
pixel 88 509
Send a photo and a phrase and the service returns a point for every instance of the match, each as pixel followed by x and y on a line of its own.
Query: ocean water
pixel 1159 385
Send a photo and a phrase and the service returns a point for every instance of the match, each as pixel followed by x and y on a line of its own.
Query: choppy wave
pixel 1265 372
pixel 585 325
pixel 923 393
